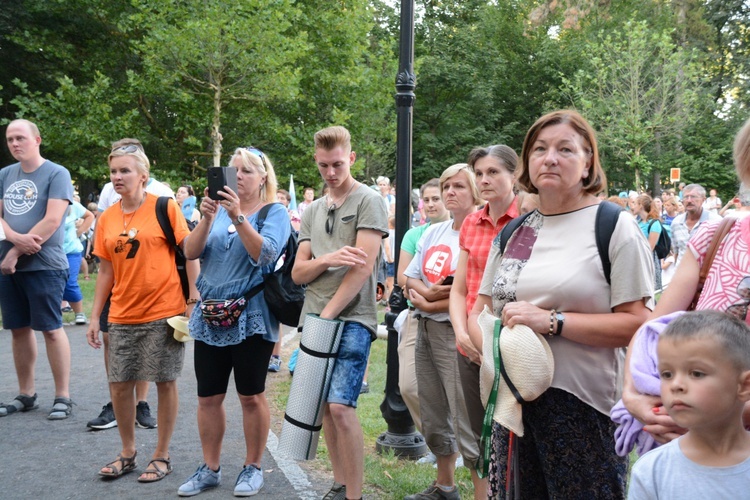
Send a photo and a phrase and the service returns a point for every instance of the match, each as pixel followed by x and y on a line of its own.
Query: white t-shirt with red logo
pixel 436 258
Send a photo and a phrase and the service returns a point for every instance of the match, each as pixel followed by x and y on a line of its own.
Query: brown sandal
pixel 156 471
pixel 128 465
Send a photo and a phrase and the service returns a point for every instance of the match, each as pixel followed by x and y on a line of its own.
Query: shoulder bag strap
pixel 713 247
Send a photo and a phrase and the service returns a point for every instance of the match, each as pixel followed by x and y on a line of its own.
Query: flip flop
pixel 156 471
pixel 128 465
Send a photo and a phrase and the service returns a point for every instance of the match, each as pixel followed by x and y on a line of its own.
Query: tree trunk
pixel 656 186
pixel 215 134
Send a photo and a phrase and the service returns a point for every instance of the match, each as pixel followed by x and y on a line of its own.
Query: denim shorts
pixel 41 291
pixel 72 290
pixel 351 363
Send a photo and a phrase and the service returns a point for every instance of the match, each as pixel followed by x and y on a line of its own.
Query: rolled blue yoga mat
pixel 303 419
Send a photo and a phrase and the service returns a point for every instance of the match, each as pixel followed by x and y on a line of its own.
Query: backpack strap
pixel 290 249
pixel 262 214
pixel 162 215
pixel 510 228
pixel 607 216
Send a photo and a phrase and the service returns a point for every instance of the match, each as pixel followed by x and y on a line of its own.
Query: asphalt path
pixel 44 459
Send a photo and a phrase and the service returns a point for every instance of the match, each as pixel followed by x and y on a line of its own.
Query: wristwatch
pixel 239 220
pixel 560 322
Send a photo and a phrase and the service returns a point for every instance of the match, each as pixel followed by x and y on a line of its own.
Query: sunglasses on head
pixel 255 151
pixel 130 148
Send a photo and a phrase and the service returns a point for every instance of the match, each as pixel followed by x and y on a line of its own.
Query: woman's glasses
pixel 739 310
pixel 331 218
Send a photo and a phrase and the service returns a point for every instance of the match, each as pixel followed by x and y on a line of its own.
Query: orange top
pixel 147 285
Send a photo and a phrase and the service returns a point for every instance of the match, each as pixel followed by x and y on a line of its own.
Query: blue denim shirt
pixel 228 272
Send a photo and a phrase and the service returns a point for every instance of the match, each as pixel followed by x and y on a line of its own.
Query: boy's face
pixel 700 386
pixel 334 165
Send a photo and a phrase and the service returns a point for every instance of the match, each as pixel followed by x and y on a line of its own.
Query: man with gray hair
pixel 686 223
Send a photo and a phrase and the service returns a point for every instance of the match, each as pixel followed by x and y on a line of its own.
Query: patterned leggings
pixel 567 452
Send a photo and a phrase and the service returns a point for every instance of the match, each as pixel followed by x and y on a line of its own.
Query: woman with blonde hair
pixel 236 250
pixel 138 269
pixel 445 421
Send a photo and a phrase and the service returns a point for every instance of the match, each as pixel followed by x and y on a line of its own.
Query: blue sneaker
pixel 249 482
pixel 203 479
pixel 274 364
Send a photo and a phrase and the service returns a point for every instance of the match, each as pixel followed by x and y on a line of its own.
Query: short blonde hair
pixel 332 137
pixel 455 169
pixel 141 160
pixel 254 158
pixel 31 125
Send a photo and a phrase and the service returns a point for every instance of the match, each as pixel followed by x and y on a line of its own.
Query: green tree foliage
pixel 639 88
pixel 196 78
pixel 218 53
pixel 346 78
pixel 483 76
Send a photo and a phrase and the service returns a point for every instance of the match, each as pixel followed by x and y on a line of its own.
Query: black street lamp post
pixel 401 436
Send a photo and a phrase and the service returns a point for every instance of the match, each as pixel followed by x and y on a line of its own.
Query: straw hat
pixel 181 330
pixel 528 362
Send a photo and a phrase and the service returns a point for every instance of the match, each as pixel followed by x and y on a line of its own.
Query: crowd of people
pixel 528 239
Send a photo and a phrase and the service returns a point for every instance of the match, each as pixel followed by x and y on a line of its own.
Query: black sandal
pixel 61 409
pixel 159 473
pixel 128 465
pixel 22 402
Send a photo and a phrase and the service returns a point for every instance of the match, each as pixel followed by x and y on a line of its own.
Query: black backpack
pixel 284 297
pixel 607 215
pixel 664 244
pixel 179 257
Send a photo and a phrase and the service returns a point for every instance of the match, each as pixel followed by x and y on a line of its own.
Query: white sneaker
pixel 428 459
pixel 249 482
pixel 80 319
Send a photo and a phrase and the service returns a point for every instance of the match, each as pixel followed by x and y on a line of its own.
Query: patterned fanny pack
pixel 226 312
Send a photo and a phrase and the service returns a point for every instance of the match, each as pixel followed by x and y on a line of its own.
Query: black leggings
pixel 249 359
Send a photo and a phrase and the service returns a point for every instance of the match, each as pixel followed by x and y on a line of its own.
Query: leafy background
pixel 665 83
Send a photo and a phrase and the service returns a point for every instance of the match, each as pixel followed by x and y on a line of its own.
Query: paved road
pixel 45 459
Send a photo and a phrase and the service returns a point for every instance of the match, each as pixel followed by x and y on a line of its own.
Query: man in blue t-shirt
pixel 36 194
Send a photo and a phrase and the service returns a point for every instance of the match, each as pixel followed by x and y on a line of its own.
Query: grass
pixel 386 476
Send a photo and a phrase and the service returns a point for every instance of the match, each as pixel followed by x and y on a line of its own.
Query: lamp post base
pixel 411 445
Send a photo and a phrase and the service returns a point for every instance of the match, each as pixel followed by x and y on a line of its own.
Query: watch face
pixel 240 219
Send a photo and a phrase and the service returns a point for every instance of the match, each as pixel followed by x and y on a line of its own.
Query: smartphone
pixel 218 177
pixel 448 280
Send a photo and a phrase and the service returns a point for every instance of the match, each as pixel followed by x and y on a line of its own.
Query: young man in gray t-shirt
pixel 339 244
pixel 36 194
